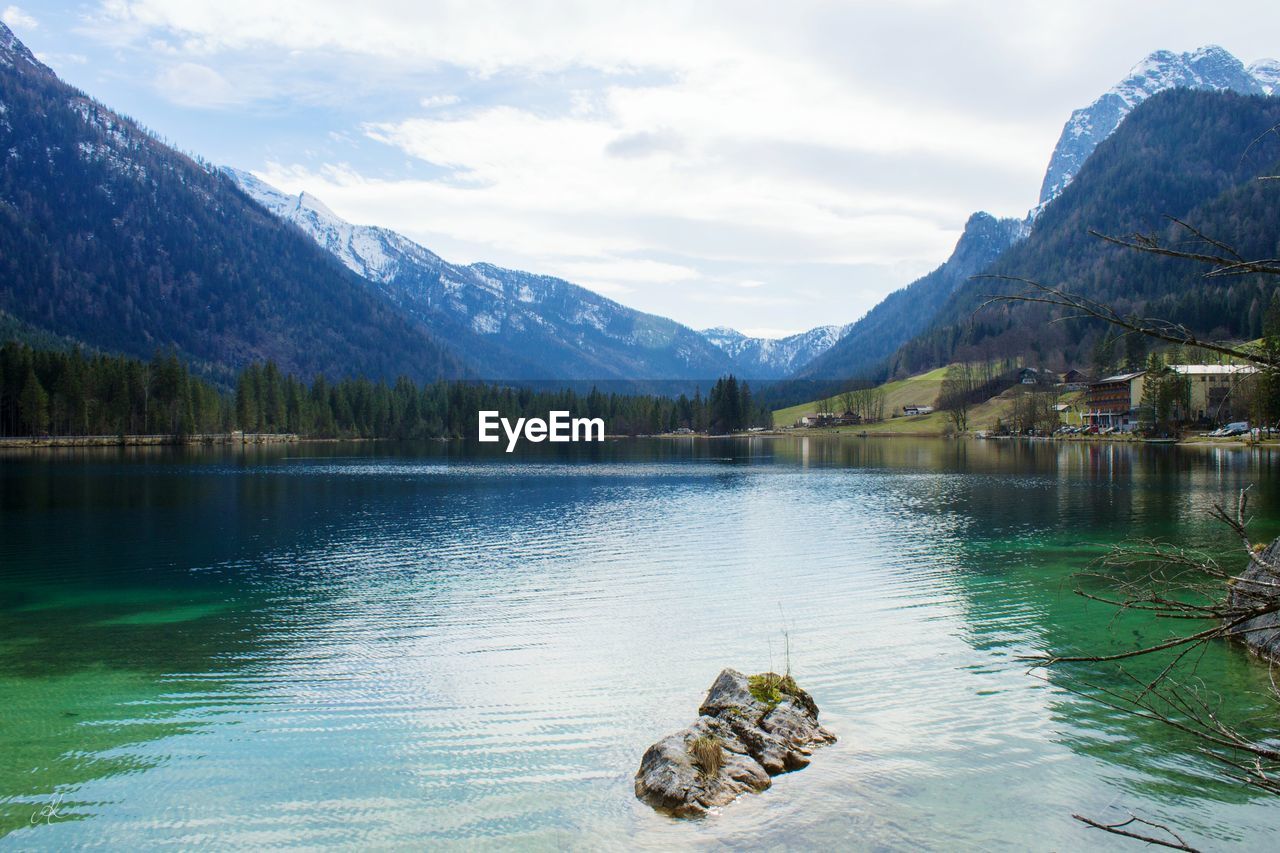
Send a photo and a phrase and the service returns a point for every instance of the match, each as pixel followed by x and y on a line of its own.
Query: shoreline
pixel 1189 441
pixel 254 439
pixel 205 439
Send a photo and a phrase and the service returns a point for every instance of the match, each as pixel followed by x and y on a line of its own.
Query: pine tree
pixel 34 404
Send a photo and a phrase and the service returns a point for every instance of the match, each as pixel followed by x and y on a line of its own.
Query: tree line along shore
pixel 71 398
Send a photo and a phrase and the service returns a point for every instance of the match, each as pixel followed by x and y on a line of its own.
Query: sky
pixel 766 166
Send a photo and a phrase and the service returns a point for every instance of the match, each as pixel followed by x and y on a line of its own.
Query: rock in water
pixel 749 729
pixel 1258 587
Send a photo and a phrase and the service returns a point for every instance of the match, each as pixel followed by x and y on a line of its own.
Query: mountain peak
pixel 983 226
pixel 14 54
pixel 278 202
pixel 723 332
pixel 309 202
pixel 773 356
pixel 115 274
pixel 979 221
pixel 1210 67
pixel 1267 73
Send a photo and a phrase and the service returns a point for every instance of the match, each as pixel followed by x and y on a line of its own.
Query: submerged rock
pixel 1259 586
pixel 749 729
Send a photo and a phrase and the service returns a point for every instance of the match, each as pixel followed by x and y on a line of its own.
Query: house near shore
pixel 829 419
pixel 816 419
pixel 1114 402
pixel 1074 380
pixel 1212 386
pixel 1036 376
pixel 908 411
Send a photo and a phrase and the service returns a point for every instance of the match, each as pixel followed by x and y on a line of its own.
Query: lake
pixel 443 645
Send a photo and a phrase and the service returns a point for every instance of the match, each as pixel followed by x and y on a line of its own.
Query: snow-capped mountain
pixel 1267 73
pixel 375 253
pixel 512 324
pixel 1209 67
pixel 774 356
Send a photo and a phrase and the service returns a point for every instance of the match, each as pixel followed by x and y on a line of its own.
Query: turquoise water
pixel 386 646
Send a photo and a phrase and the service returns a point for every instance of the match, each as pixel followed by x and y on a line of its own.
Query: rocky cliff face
pixel 1208 67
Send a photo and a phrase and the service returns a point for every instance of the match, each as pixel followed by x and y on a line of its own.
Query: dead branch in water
pixel 1118 829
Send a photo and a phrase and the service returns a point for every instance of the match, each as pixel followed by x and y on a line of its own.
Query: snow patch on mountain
pixel 486 324
pixel 1210 67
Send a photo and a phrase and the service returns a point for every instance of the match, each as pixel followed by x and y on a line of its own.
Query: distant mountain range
pixel 509 324
pixel 775 357
pixel 110 238
pixel 859 349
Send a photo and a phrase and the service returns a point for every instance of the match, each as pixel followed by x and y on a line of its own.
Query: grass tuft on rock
pixel 708 754
pixel 771 688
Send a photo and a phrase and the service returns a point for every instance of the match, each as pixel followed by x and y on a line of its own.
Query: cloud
pixel 189 84
pixel 54 60
pixel 433 101
pixel 18 19
pixel 766 332
pixel 614 272
pixel 550 168
pixel 643 143
pixel 790 163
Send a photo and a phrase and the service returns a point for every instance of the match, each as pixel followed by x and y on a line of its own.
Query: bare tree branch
pixel 1230 263
pixel 1174 333
pixel 1118 829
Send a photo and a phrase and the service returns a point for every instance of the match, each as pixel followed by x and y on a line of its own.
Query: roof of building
pixel 1121 377
pixel 1213 369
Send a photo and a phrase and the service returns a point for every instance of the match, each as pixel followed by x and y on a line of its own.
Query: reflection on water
pixel 415 645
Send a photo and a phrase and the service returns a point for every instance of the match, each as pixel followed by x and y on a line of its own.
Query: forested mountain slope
pixel 1191 155
pixel 110 237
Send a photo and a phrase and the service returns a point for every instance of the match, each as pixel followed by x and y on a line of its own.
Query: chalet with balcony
pixel 1112 403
